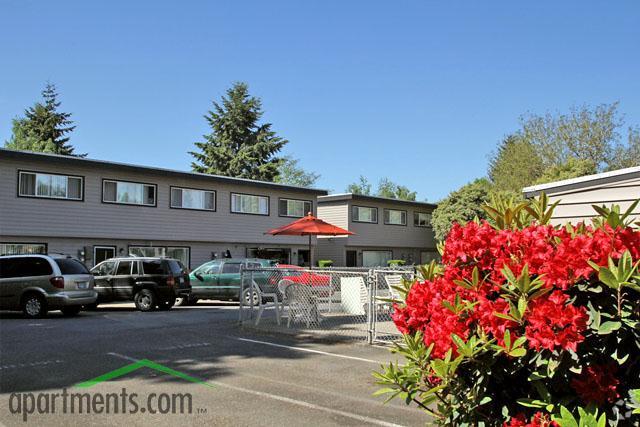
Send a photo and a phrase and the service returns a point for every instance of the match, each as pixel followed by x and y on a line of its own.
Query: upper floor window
pixel 48 185
pixel 294 208
pixel 249 204
pixel 365 214
pixel 395 217
pixel 422 219
pixel 188 198
pixel 128 193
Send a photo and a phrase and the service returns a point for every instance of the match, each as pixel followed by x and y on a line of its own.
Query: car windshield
pixel 71 266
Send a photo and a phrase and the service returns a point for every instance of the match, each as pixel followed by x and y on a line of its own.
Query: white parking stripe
pixel 30 365
pixel 302 403
pixel 308 350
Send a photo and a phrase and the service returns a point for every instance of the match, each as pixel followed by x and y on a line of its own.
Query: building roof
pixel 373 199
pixel 584 181
pixel 71 160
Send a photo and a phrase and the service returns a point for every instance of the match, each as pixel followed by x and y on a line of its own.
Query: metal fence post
pixel 241 302
pixel 370 314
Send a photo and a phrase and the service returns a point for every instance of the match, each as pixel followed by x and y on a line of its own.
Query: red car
pixel 299 275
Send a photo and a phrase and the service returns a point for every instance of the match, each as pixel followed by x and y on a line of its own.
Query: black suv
pixel 149 282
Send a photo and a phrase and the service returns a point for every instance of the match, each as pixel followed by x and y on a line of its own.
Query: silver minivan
pixel 36 284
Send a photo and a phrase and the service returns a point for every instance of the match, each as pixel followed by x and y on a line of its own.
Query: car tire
pixel 145 300
pixel 34 306
pixel 166 305
pixel 71 310
pixel 246 298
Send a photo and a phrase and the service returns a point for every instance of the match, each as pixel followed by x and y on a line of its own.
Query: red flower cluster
pixel 558 256
pixel 597 384
pixel 538 420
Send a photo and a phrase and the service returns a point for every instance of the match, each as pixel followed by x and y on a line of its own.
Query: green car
pixel 220 279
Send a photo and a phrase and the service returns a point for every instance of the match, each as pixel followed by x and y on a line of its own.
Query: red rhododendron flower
pixel 552 323
pixel 538 420
pixel 597 384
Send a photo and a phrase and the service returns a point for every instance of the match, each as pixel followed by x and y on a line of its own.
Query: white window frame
pixel 304 211
pixel 4 246
pixel 403 215
pixel 40 196
pixel 144 184
pixel 162 253
pixel 357 219
pixel 416 219
pixel 237 211
pixel 183 189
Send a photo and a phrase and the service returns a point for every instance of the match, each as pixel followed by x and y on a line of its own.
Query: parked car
pixel 220 279
pixel 37 284
pixel 148 282
pixel 299 275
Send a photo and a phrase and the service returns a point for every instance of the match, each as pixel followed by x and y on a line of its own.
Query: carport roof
pixel 373 199
pixel 72 160
pixel 583 181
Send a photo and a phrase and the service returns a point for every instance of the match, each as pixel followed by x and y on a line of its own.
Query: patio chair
pixel 393 280
pixel 302 304
pixel 263 302
pixel 282 291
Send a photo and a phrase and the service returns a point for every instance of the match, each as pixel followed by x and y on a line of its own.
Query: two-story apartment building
pixel 97 209
pixel 385 229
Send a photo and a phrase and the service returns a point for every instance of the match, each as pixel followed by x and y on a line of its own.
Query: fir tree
pixel 238 145
pixel 43 128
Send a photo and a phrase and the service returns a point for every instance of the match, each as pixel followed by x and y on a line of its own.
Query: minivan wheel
pixel 34 306
pixel 71 310
pixel 145 300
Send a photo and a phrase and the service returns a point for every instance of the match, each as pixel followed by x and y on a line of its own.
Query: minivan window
pixel 71 266
pixel 152 267
pixel 231 268
pixel 24 267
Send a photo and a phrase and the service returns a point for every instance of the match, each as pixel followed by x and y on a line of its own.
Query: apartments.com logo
pixel 125 402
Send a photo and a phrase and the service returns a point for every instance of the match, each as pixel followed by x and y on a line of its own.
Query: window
pixel 24 267
pixel 212 267
pixel 124 268
pixel 152 267
pixel 294 208
pixel 422 219
pixel 248 204
pixel 229 267
pixel 395 217
pixel 104 269
pixel 364 214
pixel 103 253
pixel 22 248
pixel 128 193
pixel 187 198
pixel 176 267
pixel 182 254
pixel 71 266
pixel 50 186
pixel 376 258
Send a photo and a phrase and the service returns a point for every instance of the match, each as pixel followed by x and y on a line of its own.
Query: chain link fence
pixel 336 303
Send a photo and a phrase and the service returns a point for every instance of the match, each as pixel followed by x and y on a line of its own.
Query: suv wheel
pixel 34 306
pixel 250 295
pixel 71 310
pixel 145 300
pixel 183 301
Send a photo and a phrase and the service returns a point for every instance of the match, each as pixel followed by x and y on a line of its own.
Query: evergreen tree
pixel 238 145
pixel 43 128
pixel 515 164
pixel 292 174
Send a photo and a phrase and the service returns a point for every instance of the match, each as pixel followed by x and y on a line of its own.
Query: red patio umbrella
pixel 309 226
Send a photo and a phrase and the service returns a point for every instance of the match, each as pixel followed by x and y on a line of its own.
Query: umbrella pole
pixel 310 255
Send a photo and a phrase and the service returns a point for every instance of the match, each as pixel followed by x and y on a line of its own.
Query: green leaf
pixel 607 277
pixel 608 327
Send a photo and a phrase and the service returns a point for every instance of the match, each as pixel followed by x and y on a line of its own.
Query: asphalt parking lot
pixel 233 376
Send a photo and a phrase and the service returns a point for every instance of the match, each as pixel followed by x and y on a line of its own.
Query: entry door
pixel 103 253
pixel 352 258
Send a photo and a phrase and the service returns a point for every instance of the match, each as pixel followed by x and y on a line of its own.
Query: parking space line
pixel 289 400
pixel 30 365
pixel 308 350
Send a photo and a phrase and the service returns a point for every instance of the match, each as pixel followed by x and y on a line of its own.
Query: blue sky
pixel 417 91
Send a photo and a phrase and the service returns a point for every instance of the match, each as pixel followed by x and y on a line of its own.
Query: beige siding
pixel 575 204
pixel 93 219
pixel 336 213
